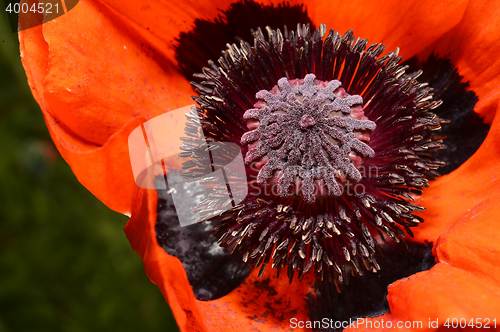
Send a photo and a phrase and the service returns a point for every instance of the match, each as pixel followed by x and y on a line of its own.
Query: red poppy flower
pixel 108 66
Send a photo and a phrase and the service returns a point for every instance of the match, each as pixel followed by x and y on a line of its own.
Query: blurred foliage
pixel 65 263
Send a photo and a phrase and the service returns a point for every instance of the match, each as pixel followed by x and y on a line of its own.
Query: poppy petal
pixel 473 47
pixel 208 37
pixel 410 25
pixel 445 292
pixel 466 282
pixel 452 195
pixel 407 25
pixel 105 171
pixel 167 19
pixel 102 70
pixel 464 285
pixel 90 94
pixel 164 270
pixel 468 250
pixel 264 304
pixel 366 296
pixel 398 24
pixel 101 169
pixel 211 270
pixel 257 302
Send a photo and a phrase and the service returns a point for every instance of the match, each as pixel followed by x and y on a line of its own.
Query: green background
pixel 65 263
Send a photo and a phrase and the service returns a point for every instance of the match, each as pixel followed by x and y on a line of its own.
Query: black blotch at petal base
pixel 209 38
pixel 366 296
pixel 467 131
pixel 211 270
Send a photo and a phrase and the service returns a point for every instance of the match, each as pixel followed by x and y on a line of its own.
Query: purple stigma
pixel 307 137
pixel 307 121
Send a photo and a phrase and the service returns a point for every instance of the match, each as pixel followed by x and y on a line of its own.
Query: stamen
pixel 342 134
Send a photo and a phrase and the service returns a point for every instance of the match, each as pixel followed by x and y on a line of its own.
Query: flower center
pixel 307 137
pixel 282 102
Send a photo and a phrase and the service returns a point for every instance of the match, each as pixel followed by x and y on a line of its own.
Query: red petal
pixel 451 196
pixel 92 76
pixel 167 19
pixel 99 72
pixel 466 282
pixel 256 303
pixel 473 47
pixel 410 25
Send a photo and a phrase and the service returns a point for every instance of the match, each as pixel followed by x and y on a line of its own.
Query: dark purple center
pixel 308 137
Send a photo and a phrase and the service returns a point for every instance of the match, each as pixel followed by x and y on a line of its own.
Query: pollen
pixel 307 137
